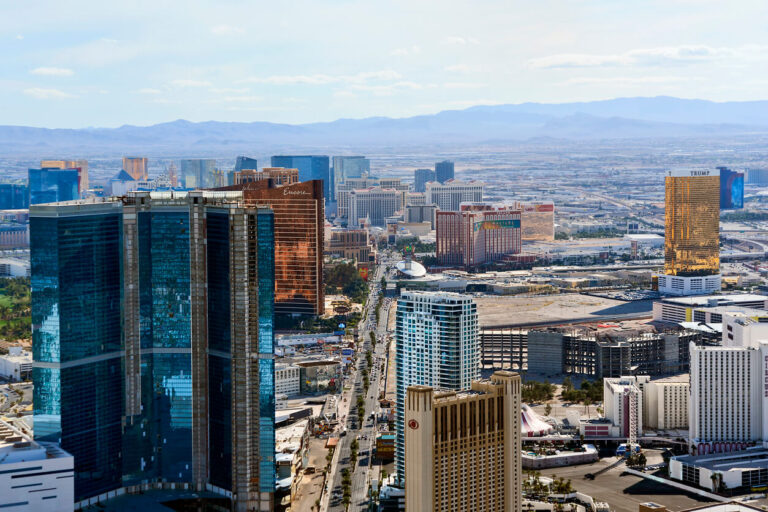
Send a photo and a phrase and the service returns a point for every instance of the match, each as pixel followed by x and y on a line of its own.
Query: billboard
pixel 497 224
pixel 731 189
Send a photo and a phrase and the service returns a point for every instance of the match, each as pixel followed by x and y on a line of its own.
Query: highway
pixel 362 429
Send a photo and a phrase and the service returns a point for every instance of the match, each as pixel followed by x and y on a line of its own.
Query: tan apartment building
pixel 462 449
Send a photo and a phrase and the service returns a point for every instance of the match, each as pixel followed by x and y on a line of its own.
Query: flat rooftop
pixel 672 379
pixel 751 458
pixel 18 447
pixel 720 300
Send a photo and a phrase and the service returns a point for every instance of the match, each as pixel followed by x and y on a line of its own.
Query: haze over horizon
pixel 72 66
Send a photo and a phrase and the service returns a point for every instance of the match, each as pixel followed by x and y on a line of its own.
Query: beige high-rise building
pixel 70 164
pixel 462 449
pixel 136 166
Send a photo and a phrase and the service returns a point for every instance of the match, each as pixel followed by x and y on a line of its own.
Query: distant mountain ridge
pixel 619 118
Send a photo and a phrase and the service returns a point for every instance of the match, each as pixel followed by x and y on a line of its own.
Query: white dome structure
pixel 411 268
pixel 531 423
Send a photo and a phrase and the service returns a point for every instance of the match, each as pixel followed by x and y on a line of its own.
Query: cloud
pixel 149 91
pixel 227 30
pixel 344 94
pixel 46 94
pixel 629 80
pixel 101 52
pixel 19 37
pixel 230 90
pixel 463 85
pixel 661 56
pixel 322 79
pixel 459 68
pixel 52 71
pixel 390 89
pixel 191 83
pixel 463 41
pixel 241 99
pixel 402 52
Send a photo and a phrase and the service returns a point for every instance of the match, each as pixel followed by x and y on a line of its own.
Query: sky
pixel 75 64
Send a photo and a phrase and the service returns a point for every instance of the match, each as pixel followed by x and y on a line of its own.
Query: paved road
pixel 362 429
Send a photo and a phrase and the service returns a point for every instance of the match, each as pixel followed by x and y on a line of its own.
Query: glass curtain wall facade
pixel 298 239
pixel 198 173
pixel 444 171
pixel 76 316
pixel 311 167
pixel 137 339
pixel 13 196
pixel 437 345
pixel 53 185
pixel 692 223
pixel 347 167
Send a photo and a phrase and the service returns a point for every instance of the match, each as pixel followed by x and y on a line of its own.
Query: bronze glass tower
pixel 692 223
pixel 299 221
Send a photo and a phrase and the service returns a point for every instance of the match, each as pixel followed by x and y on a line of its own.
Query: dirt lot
pixel 310 485
pixel 506 310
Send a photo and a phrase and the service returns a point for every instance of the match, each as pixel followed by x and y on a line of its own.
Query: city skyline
pixel 148 62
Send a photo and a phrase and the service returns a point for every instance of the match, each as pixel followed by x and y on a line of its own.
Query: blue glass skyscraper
pixel 53 185
pixel 198 173
pixel 76 258
pixel 347 167
pixel 444 171
pixel 14 196
pixel 151 373
pixel 311 167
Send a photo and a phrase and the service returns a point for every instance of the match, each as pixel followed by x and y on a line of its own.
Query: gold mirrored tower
pixel 691 232
pixel 692 223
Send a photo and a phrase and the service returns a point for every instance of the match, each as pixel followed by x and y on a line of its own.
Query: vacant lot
pixel 502 310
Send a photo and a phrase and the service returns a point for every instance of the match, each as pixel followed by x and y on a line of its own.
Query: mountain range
pixel 621 118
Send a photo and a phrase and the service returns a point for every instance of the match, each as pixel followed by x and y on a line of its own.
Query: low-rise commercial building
pixel 34 476
pixel 287 380
pixel 700 308
pixel 353 244
pixel 16 365
pixel 736 468
pixel 319 377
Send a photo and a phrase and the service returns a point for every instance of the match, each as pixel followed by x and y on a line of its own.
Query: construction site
pixel 587 351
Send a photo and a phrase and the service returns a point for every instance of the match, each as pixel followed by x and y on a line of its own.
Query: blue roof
pixel 123 176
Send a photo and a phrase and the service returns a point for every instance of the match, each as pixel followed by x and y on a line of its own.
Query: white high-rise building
pixel 437 345
pixel 448 196
pixel 729 386
pixel 374 204
pixel 623 402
